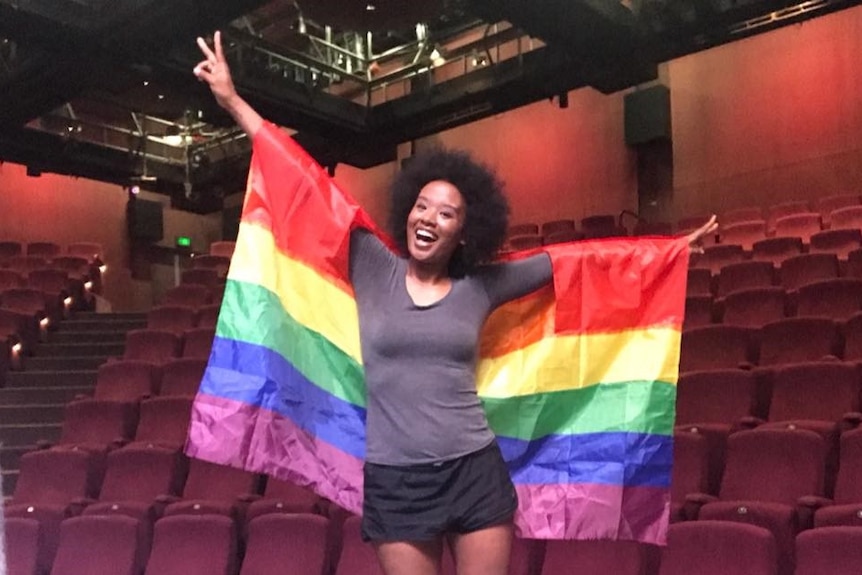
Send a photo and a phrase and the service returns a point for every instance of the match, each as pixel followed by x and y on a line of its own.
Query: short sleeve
pixel 369 257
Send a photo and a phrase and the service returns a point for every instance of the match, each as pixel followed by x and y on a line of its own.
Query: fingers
pixel 219 53
pixel 201 70
pixel 206 49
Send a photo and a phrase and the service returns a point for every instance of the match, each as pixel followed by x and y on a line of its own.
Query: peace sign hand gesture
pixel 695 237
pixel 214 71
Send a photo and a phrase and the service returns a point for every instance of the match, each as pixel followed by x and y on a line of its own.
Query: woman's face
pixel 435 224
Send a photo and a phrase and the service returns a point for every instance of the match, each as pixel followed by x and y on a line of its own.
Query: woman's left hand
pixel 695 237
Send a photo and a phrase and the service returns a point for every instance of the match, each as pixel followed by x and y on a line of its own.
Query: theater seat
pixel 287 543
pixel 193 545
pixel 718 548
pixel 829 551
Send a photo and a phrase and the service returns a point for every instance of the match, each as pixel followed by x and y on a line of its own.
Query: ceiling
pixel 103 89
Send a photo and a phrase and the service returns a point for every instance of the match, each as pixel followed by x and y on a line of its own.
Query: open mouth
pixel 425 238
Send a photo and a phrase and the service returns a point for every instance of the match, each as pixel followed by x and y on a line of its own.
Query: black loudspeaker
pixel 647 115
pixel 145 219
pixel 230 222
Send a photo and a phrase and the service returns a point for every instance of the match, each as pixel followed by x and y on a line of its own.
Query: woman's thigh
pixel 410 557
pixel 483 552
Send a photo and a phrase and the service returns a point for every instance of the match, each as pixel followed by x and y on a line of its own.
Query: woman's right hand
pixel 214 70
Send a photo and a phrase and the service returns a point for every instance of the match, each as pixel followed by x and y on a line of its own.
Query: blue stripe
pixel 617 458
pixel 258 376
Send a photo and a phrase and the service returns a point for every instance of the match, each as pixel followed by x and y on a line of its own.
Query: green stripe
pixel 638 406
pixel 253 314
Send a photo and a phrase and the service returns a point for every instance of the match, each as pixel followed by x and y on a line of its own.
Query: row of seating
pixel 300 544
pixel 838 300
pixel 773 480
pixel 789 340
pixel 722 275
pixel 92 251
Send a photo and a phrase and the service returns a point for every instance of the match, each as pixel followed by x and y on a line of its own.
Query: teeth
pixel 427 236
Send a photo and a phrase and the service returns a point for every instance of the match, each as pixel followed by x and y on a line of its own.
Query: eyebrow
pixel 425 198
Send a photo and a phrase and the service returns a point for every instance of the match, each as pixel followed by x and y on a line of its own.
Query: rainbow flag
pixel 578 379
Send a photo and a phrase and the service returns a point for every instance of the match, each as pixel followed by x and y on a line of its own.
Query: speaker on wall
pixel 145 220
pixel 647 115
pixel 230 222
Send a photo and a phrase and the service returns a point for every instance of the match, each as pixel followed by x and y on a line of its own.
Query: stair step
pixel 10 479
pixel 34 378
pixel 115 316
pixel 64 363
pixel 83 336
pixel 32 413
pixel 80 349
pixel 10 457
pixel 29 395
pixel 102 325
pixel 17 435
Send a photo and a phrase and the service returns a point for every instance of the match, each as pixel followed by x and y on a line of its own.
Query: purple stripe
pixel 273 445
pixel 277 447
pixel 593 511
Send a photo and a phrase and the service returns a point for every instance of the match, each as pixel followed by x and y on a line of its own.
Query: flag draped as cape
pixel 578 379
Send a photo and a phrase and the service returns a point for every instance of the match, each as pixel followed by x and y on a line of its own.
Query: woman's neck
pixel 427 273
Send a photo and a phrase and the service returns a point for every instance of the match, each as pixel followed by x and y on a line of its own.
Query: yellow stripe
pixel 309 298
pixel 576 361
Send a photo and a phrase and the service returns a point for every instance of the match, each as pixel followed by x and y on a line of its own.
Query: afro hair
pixel 487 208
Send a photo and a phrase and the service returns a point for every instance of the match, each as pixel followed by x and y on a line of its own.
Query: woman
pixel 433 469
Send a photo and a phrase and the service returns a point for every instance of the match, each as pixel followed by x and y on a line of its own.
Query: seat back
pixel 99 544
pixel 818 390
pixel 218 482
pixel 164 421
pixel 744 275
pixel 198 343
pixel 719 548
pixel 715 396
pixel 799 339
pixel 155 346
pixel 848 488
pixel 837 298
pixel 173 318
pixel 716 347
pixel 287 543
pixel 98 422
pixel 182 377
pixel 755 307
pixel 142 473
pixel 126 380
pixel 773 465
pixel 193 545
pixel 55 477
pixel 806 268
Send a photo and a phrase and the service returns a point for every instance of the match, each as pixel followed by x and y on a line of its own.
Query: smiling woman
pixel 433 469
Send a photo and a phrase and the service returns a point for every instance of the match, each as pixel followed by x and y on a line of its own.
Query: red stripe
pixel 601 285
pixel 613 285
pixel 295 199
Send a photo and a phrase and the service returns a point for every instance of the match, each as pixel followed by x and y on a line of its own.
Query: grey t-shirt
pixel 420 361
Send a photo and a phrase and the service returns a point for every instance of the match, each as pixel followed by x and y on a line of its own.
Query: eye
pixel 447 215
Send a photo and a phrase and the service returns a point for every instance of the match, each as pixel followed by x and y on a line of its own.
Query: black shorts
pixel 422 502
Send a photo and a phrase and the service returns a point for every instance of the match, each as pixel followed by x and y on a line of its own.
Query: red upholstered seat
pixel 744 275
pixel 838 242
pixel 828 551
pixel 798 339
pixel 754 307
pixel 718 548
pixel 173 318
pixel 182 377
pixel 578 557
pixel 837 298
pixel 766 475
pixel 743 233
pixel 716 347
pixel 100 544
pixel 287 543
pixel 806 268
pixel 193 545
